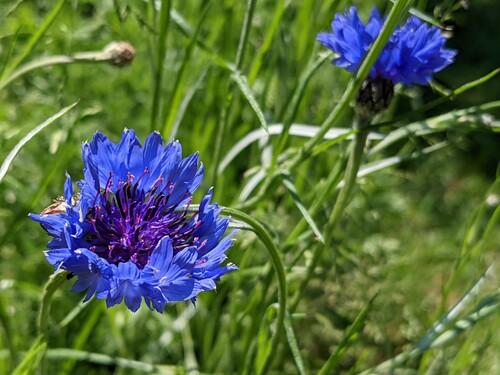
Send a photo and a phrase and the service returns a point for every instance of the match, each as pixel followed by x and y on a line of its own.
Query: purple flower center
pixel 129 222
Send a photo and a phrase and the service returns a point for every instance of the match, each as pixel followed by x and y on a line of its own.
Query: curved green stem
pixel 277 263
pixel 55 281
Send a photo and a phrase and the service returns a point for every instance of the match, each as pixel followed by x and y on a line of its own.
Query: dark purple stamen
pixel 129 223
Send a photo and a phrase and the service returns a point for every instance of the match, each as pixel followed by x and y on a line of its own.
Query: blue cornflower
pixel 413 53
pixel 129 235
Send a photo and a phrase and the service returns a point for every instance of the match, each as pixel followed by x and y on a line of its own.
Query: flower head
pixel 129 235
pixel 413 53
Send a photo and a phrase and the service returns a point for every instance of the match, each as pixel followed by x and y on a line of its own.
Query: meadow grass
pixel 385 267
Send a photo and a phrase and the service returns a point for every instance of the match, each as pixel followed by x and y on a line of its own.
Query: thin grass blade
pixel 10 157
pixel 294 347
pixel 287 181
pixel 242 83
pixel 470 118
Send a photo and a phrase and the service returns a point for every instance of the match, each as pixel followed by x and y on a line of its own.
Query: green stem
pixel 351 174
pixel 277 263
pixel 352 169
pixel 55 281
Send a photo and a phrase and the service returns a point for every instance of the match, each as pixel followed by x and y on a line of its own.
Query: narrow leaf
pixel 287 181
pixel 242 83
pixel 10 157
pixel 292 343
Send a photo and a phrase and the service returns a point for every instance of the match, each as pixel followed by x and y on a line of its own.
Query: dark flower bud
pixel 374 96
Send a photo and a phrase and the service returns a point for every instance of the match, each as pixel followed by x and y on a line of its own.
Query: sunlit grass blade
pixel 10 157
pixel 433 337
pixel 334 135
pixel 464 119
pixel 250 186
pixel 452 313
pixel 487 306
pixel 33 41
pixel 287 181
pixel 424 16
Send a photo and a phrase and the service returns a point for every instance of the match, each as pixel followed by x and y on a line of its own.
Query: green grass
pixel 365 290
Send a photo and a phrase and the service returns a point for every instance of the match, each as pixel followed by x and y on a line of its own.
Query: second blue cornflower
pixel 414 52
